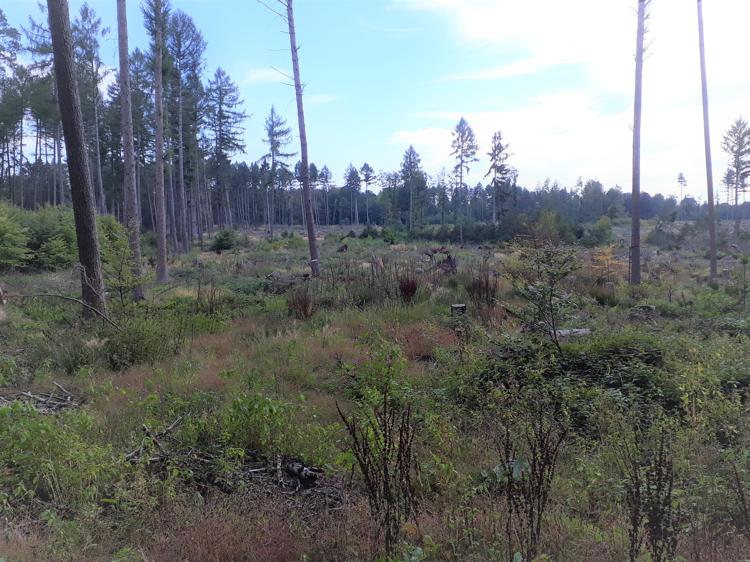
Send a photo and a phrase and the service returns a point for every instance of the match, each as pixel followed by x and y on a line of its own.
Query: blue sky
pixel 555 77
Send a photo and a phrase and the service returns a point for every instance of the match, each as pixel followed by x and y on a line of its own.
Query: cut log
pixel 573 332
pixel 458 309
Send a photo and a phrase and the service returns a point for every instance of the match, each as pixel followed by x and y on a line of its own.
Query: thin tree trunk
pixel 132 218
pixel 707 144
pixel 311 240
pixel 635 205
pixel 92 282
pixel 162 274
pixel 98 157
pixel 61 182
pixel 181 200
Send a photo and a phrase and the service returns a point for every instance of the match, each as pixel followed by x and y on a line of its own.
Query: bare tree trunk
pixel 312 242
pixel 58 168
pixel 635 202
pixel 707 143
pixel 269 210
pixel 181 200
pixel 170 191
pixel 97 155
pixel 132 217
pixel 92 283
pixel 162 275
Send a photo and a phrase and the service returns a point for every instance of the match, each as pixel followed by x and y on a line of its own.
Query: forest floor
pixel 178 426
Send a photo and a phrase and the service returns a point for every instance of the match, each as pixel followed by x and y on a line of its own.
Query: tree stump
pixel 458 309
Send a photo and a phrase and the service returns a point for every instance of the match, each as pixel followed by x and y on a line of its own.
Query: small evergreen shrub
pixel 224 240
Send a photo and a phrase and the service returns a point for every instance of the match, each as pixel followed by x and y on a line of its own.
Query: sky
pixel 555 77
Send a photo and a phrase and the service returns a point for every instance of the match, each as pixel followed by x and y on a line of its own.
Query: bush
pixel 47 458
pixel 224 240
pixel 599 233
pixel 13 241
pixel 370 232
pixel 52 237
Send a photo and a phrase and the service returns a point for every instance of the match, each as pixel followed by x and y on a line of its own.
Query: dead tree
pixel 287 15
pixel 82 193
pixel 635 206
pixel 707 144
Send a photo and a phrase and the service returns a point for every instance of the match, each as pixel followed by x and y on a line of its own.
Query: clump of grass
pixel 300 303
pixel 483 287
pixel 408 285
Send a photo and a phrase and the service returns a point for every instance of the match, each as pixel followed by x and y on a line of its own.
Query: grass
pixel 265 362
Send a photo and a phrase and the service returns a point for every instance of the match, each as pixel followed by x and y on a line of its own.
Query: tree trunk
pixel 707 144
pixel 92 283
pixel 162 275
pixel 97 154
pixel 312 242
pixel 132 218
pixel 635 205
pixel 181 201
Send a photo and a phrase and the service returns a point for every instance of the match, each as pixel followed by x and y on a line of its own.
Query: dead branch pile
pixel 44 402
pixel 306 488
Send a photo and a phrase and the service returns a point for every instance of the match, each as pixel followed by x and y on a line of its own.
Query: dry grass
pixel 248 531
pixel 421 341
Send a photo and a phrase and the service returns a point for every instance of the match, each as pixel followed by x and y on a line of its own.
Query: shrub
pixel 13 241
pixel 224 240
pixel 52 238
pixel 390 235
pixel 47 458
pixel 599 233
pixel 382 433
pixel 370 231
pixel 139 340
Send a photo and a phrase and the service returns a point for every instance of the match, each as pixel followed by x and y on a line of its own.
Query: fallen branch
pixel 45 403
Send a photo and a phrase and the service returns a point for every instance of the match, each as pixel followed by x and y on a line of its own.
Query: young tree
pixel 352 183
pixel 707 145
pixel 465 149
pixel 224 121
pixel 499 169
pixel 278 135
pixel 368 178
pixel 413 179
pixel 736 143
pixel 324 178
pixel 155 13
pixel 132 216
pixel 682 182
pixel 92 282
pixel 635 206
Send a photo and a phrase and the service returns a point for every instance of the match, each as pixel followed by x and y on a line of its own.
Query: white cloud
pixel 264 76
pixel 511 70
pixel 321 99
pixel 571 133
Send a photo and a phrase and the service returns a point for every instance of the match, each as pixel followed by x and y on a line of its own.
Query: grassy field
pixel 427 435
